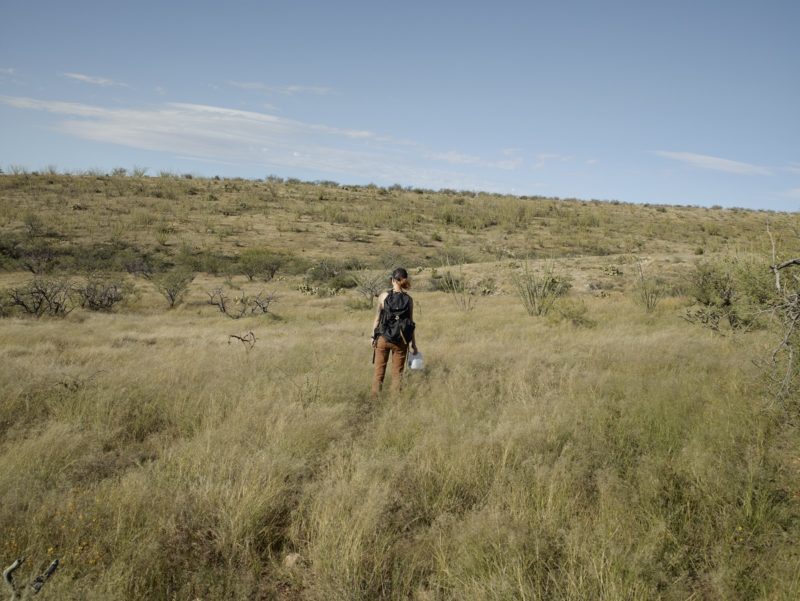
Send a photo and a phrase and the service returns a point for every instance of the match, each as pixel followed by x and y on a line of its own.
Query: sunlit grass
pixel 632 455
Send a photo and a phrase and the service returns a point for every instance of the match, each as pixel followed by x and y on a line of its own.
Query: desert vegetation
pixel 609 407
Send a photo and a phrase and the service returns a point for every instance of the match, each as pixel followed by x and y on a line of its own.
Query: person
pixel 394 304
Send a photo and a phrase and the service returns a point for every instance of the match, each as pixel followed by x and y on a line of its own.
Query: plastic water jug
pixel 415 361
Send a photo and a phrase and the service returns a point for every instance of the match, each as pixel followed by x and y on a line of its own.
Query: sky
pixel 679 102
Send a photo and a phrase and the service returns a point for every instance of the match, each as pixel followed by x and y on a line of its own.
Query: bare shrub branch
pixel 43 296
pixel 648 290
pixel 369 285
pixel 236 308
pixel 248 340
pixel 19 593
pixel 99 294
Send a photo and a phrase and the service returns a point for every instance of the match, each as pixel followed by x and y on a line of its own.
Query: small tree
pixel 260 263
pixel 173 285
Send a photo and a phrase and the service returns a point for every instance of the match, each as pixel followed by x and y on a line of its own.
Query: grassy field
pixel 606 450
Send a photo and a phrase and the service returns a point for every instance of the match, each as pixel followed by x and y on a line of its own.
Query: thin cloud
pixel 793 168
pixel 95 81
pixel 545 157
pixel 286 90
pixel 223 135
pixel 8 72
pixel 704 161
pixel 793 193
pixel 458 158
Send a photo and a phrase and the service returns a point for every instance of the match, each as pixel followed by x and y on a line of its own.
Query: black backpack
pixel 395 324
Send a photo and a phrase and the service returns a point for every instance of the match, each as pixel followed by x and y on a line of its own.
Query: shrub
pixel 236 308
pixel 34 226
pixel 260 263
pixel 43 296
pixel 575 312
pixel 539 291
pixel 173 285
pixel 649 290
pixel 369 285
pixel 334 274
pixel 732 291
pixel 38 258
pixel 455 285
pixel 100 294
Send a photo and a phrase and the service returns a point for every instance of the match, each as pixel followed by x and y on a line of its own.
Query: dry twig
pixel 248 340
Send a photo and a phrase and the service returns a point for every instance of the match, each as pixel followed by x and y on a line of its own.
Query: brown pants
pixel 382 350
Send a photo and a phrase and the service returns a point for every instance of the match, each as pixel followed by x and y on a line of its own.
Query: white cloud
pixel 793 168
pixel 218 134
pixel 458 158
pixel 286 90
pixel 96 81
pixel 592 162
pixel 703 161
pixel 793 193
pixel 7 72
pixel 545 157
pixel 161 91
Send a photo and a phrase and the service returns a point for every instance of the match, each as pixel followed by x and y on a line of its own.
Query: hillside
pixel 613 448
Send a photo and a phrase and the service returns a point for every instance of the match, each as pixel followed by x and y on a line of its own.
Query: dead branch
pixel 219 299
pixel 35 585
pixel 262 301
pixel 248 340
pixel 788 311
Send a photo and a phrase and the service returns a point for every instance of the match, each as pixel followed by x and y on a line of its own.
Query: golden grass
pixel 532 459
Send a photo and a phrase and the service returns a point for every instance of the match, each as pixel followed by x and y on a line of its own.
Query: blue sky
pixel 665 102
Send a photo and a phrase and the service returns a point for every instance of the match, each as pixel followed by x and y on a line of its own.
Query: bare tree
pixel 236 308
pixel 369 285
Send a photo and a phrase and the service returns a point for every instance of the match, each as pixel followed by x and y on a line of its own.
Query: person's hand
pixel 374 342
pixel 414 349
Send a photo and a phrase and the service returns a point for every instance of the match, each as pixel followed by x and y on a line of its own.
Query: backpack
pixel 395 324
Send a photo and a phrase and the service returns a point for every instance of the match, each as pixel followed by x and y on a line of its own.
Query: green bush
pixel 734 291
pixel 258 263
pixel 173 285
pixel 334 274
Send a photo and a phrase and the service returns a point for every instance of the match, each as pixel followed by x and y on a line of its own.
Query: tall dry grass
pixel 159 458
pixel 532 459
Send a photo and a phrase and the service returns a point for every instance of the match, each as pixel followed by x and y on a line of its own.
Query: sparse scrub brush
pixel 456 287
pixel 100 294
pixel 539 291
pixel 43 296
pixel 369 285
pixel 649 290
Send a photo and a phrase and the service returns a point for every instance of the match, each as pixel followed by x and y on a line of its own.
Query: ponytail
pixel 400 276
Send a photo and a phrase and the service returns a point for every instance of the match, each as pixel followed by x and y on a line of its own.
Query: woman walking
pixel 393 331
